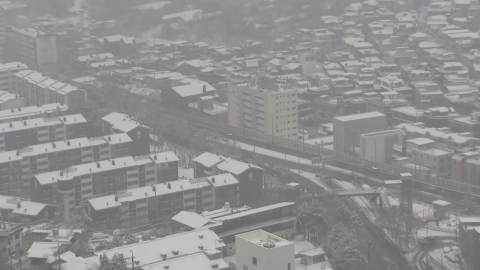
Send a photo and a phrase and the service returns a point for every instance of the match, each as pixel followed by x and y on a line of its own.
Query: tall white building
pixel 378 146
pixel 347 129
pixel 260 250
pixel 35 47
pixel 8 81
pixel 273 112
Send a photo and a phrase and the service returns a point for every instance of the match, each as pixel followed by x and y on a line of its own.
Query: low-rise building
pixel 13 209
pixel 121 123
pixel 250 177
pixel 159 202
pixel 20 134
pixel 11 101
pixel 466 167
pixel 278 219
pixel 8 81
pixel 424 152
pixel 263 251
pixel 70 188
pixel 377 146
pixel 469 124
pixel 11 240
pixel 38 90
pixel 20 114
pixel 469 241
pixel 18 166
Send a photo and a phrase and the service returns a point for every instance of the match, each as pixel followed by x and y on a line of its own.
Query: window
pixel 254 261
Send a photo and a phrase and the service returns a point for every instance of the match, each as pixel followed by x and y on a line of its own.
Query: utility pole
pixel 133 263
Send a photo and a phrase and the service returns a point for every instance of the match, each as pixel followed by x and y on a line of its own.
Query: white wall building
pixel 424 152
pixel 347 129
pixel 260 250
pixel 377 146
pixel 35 47
pixel 8 81
pixel 267 111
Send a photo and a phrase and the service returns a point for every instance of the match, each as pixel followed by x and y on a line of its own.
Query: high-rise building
pixel 18 166
pixel 38 90
pixel 273 112
pixel 8 81
pixel 35 47
pixel 261 250
pixel 347 129
pixel 70 188
pixel 20 134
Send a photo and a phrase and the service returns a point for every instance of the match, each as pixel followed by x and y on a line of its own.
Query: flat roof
pixel 235 167
pixel 261 237
pixel 197 261
pixel 30 111
pixel 253 211
pixel 41 122
pixel 172 246
pixel 359 116
pixel 209 159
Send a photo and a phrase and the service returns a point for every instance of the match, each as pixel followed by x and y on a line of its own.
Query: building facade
pixel 17 210
pixel 8 81
pixel 424 152
pixel 70 188
pixel 20 134
pixel 18 166
pixel 261 250
pixel 159 202
pixel 266 111
pixel 377 146
pixel 35 47
pixel 347 129
pixel 38 90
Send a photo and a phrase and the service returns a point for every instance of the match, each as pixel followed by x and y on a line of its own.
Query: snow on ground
pixel 445 256
pixel 185 173
pixel 421 211
pixel 432 232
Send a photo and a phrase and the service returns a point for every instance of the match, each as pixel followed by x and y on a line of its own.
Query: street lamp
pixel 368 254
pixel 133 263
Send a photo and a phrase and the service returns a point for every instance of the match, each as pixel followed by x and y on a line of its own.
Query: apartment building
pixel 424 152
pixel 347 129
pixel 278 219
pixel 273 112
pixel 35 47
pixel 14 209
pixel 8 81
pixel 261 250
pixel 249 176
pixel 20 114
pixel 159 202
pixel 11 101
pixel 18 166
pixel 140 134
pixel 10 239
pixel 466 167
pixel 72 187
pixel 20 134
pixel 38 90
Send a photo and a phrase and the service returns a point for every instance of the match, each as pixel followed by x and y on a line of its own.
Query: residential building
pixel 469 241
pixel 377 146
pixel 38 90
pixel 385 103
pixel 20 134
pixel 72 187
pixel 263 251
pixel 272 112
pixel 178 97
pixel 250 177
pixel 11 240
pixel 208 108
pixel 159 202
pixel 18 166
pixel 25 113
pixel 278 219
pixel 347 129
pixel 444 137
pixel 8 81
pixel 424 152
pixel 11 101
pixel 122 123
pixel 170 249
pixel 14 209
pixel 35 47
pixel 427 94
pixel 466 167
pixel 406 114
pixel 469 124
